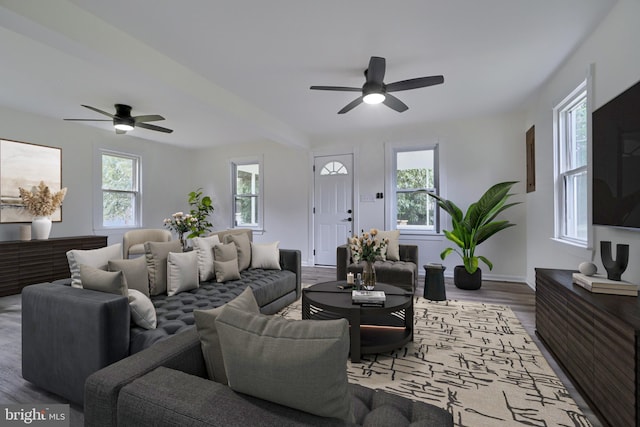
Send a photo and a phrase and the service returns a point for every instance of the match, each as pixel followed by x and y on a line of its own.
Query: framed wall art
pixel 25 165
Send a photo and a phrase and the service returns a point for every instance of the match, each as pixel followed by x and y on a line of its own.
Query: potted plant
pixel 473 228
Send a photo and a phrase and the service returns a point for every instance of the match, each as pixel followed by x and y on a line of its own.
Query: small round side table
pixel 434 282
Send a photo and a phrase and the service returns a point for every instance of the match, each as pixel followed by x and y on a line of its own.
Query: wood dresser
pixel 28 262
pixel 595 339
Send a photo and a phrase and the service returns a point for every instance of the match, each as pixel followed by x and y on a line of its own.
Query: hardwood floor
pixel 521 299
pixel 518 296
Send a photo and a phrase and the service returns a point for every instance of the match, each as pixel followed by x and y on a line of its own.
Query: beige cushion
pixel 392 251
pixel 243 246
pixel 265 255
pixel 137 250
pixel 112 282
pixel 182 272
pixel 301 364
pixel 135 271
pixel 204 248
pixel 156 254
pixel 98 258
pixel 206 326
pixel 226 262
pixel 143 313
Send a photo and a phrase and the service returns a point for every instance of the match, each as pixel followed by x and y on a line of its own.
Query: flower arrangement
pixel 40 201
pixel 367 247
pixel 196 222
pixel 180 223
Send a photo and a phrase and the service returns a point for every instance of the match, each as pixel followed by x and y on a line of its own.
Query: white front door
pixel 333 205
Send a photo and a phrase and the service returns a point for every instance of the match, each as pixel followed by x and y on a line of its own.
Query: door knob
pixel 349 211
pixel 348 219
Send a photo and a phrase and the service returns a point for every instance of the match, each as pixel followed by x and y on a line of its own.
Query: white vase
pixel 40 227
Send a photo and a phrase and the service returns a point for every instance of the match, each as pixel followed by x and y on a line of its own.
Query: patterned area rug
pixel 477 361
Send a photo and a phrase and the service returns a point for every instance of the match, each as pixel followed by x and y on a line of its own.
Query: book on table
pixel 368 297
pixel 599 284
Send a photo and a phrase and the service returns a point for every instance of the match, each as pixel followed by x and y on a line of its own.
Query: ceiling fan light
pixel 123 126
pixel 373 98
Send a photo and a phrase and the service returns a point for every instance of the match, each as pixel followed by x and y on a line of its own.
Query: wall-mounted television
pixel 616 161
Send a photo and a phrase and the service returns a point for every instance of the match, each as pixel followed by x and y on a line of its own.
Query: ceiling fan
pixel 375 91
pixel 123 121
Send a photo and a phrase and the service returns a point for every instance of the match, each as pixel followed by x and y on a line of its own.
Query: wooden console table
pixel 595 338
pixel 28 262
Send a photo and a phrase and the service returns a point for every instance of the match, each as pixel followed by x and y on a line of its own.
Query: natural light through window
pixel 334 168
pixel 247 184
pixel 120 190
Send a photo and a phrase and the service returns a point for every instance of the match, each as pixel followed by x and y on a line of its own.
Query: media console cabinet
pixel 26 262
pixel 595 338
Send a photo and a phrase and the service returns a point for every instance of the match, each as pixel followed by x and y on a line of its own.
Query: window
pixel 571 151
pixel 120 190
pixel 334 168
pixel 414 174
pixel 247 190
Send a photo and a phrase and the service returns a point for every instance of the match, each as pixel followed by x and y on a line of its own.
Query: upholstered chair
pixel 133 240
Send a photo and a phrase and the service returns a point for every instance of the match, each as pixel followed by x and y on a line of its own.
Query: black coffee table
pixel 373 329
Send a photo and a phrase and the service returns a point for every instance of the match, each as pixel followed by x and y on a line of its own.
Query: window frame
pixel 137 193
pixel 233 166
pixel 391 188
pixel 565 171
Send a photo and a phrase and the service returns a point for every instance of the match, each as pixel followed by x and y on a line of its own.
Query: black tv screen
pixel 616 161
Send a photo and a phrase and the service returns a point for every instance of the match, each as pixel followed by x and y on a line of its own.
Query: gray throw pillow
pixel 112 282
pixel 182 272
pixel 301 364
pixel 156 255
pixel 135 271
pixel 204 248
pixel 206 326
pixel 98 258
pixel 225 262
pixel 243 246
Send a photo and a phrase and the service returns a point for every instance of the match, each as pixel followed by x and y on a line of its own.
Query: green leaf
pixel 446 252
pixel 486 261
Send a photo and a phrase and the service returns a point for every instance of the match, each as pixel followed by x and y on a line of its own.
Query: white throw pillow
pixel 143 313
pixel 265 255
pixel 204 247
pixel 182 272
pixel 98 258
pixel 392 252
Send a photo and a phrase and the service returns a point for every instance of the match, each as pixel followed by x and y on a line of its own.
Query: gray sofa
pixel 167 385
pixel 69 333
pixel 402 273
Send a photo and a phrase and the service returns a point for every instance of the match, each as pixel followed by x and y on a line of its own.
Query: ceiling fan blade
pixel 337 88
pixel 415 83
pixel 149 118
pixel 153 127
pixel 98 111
pixel 394 103
pixel 350 106
pixel 88 120
pixel 376 70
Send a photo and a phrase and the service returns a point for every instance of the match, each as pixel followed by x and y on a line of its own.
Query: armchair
pixel 133 240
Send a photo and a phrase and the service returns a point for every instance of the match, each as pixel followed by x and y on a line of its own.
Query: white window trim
pixel 390 185
pixel 233 162
pixel 97 193
pixel 558 155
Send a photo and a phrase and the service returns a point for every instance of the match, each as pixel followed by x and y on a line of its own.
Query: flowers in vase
pixel 367 246
pixel 180 223
pixel 196 222
pixel 40 201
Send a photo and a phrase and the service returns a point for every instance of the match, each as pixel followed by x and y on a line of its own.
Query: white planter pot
pixel 40 227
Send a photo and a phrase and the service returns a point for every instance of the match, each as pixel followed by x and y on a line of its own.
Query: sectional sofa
pixel 70 332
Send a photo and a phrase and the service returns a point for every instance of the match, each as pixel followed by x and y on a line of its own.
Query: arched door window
pixel 334 168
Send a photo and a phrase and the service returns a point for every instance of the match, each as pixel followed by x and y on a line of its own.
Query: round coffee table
pixel 373 329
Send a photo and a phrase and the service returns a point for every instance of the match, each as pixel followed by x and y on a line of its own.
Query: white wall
pixel 474 154
pixel 613 48
pixel 166 176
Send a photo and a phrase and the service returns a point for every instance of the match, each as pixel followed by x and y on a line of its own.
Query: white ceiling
pixel 233 71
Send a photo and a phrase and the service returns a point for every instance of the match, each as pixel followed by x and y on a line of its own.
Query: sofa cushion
pixel 135 271
pixel 204 248
pixel 98 258
pixel 143 313
pixel 265 255
pixel 206 325
pixel 297 363
pixel 182 272
pixel 243 245
pixel 392 250
pixel 156 255
pixel 112 282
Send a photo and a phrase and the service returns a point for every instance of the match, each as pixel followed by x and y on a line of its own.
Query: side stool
pixel 434 282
